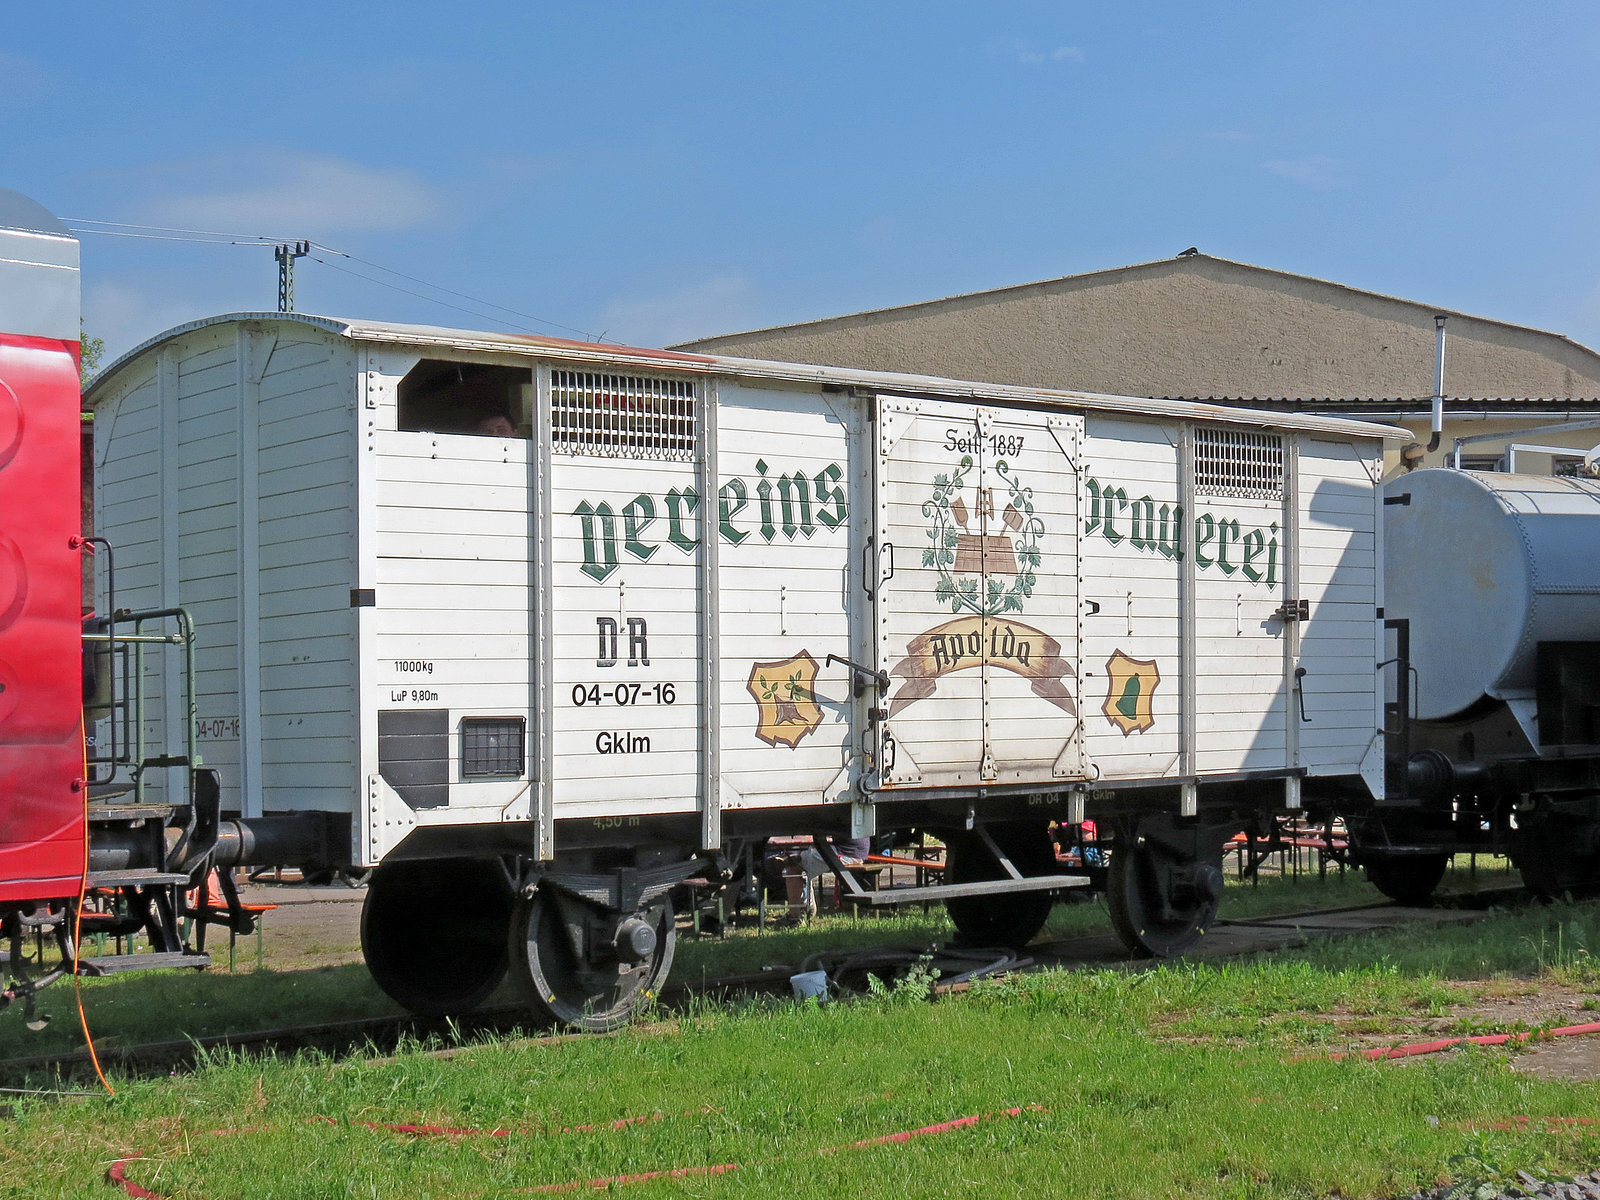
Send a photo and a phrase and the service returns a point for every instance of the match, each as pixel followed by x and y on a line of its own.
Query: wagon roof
pixel 600 354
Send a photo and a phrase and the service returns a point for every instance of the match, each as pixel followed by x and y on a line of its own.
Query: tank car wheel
pixel 1161 895
pixel 1009 918
pixel 1557 851
pixel 587 968
pixel 1406 879
pixel 434 932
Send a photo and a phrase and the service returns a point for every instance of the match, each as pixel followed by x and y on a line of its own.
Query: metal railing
pixel 122 703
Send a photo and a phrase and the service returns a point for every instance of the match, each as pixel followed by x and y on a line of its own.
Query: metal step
pixel 130 812
pixel 116 964
pixel 1421 850
pixel 135 878
pixel 950 891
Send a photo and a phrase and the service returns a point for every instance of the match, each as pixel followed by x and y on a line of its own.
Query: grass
pixel 1111 1105
pixel 1193 1079
pixel 134 1009
pixel 162 1006
pixel 1381 987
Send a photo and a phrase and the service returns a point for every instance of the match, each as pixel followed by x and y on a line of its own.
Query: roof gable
pixel 1193 324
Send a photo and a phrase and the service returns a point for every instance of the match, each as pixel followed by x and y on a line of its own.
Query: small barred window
pixel 493 746
pixel 622 416
pixel 1232 462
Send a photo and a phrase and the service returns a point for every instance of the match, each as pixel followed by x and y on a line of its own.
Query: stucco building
pixel 1195 326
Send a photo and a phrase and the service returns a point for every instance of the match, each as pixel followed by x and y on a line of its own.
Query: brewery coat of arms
pixel 783 694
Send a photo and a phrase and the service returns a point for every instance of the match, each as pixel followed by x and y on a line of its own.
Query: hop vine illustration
pixel 952 552
pixel 785 696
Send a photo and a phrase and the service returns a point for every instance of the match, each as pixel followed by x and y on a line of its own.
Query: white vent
pixel 622 416
pixel 1231 462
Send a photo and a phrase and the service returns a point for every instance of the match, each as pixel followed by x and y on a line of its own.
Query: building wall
pixel 1512 430
pixel 1194 326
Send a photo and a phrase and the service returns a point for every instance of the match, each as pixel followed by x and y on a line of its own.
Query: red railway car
pixel 102 828
pixel 42 772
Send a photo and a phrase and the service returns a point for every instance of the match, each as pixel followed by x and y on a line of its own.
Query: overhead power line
pixel 442 303
pixel 449 291
pixel 202 235
pixel 206 237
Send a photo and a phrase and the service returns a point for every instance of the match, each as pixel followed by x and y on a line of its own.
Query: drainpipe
pixel 1438 383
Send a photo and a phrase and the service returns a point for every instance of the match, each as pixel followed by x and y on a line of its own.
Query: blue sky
pixel 652 172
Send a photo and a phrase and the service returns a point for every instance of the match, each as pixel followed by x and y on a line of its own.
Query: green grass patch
pixel 134 1009
pixel 1379 987
pixel 165 1006
pixel 1107 1108
pixel 1195 1079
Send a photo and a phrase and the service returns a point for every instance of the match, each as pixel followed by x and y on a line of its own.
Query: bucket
pixel 810 983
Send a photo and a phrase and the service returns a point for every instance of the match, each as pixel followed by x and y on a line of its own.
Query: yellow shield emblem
pixel 782 691
pixel 1132 685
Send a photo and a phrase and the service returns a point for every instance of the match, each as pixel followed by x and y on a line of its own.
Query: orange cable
pixel 77 923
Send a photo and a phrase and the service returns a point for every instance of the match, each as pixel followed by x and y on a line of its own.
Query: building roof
pixel 1191 261
pixel 1391 406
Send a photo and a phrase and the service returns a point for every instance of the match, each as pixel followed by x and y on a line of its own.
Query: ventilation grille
pixel 622 416
pixel 1231 462
pixel 493 746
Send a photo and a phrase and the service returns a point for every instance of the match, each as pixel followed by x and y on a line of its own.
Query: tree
pixel 92 349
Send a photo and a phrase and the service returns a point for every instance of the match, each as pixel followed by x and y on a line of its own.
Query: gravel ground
pixel 1582 1187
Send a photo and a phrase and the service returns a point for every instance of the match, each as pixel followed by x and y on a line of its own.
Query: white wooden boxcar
pixel 601 614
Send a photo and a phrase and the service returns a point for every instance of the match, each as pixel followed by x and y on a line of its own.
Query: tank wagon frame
pixel 544 628
pixel 1492 615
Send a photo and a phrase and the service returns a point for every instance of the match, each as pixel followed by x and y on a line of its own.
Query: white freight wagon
pixel 605 615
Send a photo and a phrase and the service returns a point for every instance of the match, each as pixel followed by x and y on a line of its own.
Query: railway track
pixel 1230 938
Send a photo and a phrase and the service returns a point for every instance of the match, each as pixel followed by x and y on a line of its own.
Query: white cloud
pixel 718 305
pixel 1028 55
pixel 1318 171
pixel 280 193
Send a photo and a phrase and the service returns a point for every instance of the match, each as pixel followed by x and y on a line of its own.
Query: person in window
pixel 495 424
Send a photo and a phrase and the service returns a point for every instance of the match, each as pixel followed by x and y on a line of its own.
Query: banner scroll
pixel 983 641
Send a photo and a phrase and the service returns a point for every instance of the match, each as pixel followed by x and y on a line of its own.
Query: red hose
pixel 118 1174
pixel 1581 1126
pixel 1487 1039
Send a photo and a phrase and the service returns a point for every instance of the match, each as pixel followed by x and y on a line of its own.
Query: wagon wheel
pixel 434 933
pixel 1162 889
pixel 586 968
pixel 1406 879
pixel 1557 851
pixel 1008 918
